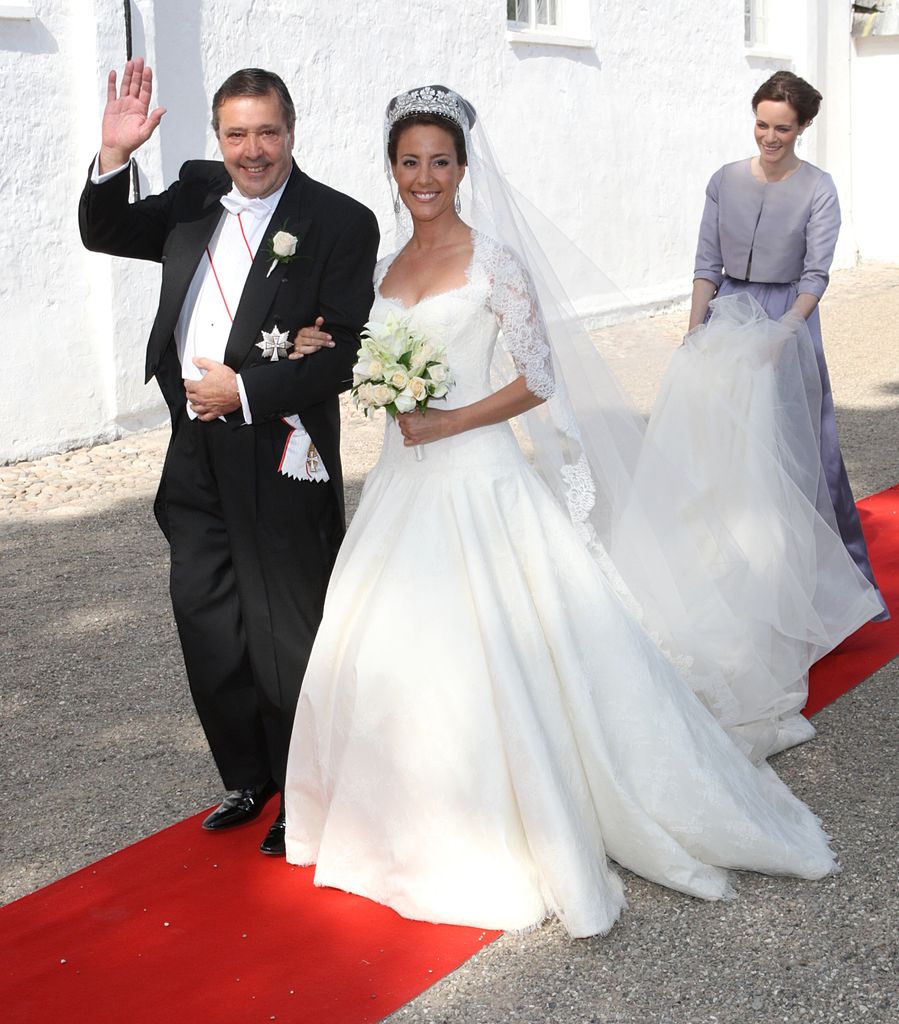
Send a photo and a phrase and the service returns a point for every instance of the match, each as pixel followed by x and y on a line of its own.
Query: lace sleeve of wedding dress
pixel 515 306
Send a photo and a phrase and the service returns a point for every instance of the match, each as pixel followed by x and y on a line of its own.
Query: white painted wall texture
pixel 875 151
pixel 614 142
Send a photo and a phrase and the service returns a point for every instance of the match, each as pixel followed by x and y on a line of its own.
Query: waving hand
pixel 127 120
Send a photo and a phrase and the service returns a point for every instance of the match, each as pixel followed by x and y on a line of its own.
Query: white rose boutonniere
pixel 282 249
pixel 284 244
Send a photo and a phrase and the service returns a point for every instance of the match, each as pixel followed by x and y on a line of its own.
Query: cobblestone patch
pixel 77 481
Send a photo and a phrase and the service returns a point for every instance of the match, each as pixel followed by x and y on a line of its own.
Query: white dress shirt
pixel 217 285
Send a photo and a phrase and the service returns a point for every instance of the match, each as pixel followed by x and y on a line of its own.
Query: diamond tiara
pixel 428 100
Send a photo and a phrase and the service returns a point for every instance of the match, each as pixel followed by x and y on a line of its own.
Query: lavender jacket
pixel 775 232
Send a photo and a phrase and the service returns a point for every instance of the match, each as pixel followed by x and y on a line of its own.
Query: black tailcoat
pixel 251 549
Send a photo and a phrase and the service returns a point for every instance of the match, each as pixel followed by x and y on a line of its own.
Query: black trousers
pixel 251 553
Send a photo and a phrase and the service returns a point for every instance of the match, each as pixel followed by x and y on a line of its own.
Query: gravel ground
pixel 99 745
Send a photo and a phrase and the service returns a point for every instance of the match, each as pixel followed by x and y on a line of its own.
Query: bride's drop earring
pixel 396 205
pixel 458 203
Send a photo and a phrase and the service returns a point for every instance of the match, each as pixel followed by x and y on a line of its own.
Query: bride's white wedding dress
pixel 483 722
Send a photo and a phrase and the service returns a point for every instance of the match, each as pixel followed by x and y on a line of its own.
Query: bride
pixel 496 705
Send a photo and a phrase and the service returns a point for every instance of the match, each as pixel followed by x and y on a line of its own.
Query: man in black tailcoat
pixel 251 495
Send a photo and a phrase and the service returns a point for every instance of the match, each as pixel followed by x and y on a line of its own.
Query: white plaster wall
pixel 629 135
pixel 875 146
pixel 41 294
pixel 614 143
pixel 829 71
pixel 68 377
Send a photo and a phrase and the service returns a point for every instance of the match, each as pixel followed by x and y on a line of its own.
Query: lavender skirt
pixel 776 299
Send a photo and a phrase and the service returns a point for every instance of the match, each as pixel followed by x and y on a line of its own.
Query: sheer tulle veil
pixel 713 524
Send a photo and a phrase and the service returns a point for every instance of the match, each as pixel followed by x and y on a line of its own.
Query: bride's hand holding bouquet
pixel 400 371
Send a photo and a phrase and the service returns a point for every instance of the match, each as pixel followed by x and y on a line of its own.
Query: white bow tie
pixel 236 203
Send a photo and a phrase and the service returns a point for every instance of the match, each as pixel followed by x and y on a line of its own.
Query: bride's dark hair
pixel 446 123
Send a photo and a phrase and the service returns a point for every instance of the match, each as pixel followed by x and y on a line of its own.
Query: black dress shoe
pixel 239 807
pixel 273 844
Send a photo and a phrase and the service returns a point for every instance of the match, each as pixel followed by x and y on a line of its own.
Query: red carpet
pixel 187 926
pixel 875 644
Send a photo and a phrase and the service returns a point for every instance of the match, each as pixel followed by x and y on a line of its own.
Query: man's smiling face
pixel 256 143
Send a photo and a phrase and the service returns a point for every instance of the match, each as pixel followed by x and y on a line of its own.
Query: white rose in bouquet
pixel 397 378
pixel 416 391
pixel 418 388
pixel 382 395
pixel 404 401
pixel 363 394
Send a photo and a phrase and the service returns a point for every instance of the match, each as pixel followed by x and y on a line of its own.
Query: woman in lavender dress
pixel 769 228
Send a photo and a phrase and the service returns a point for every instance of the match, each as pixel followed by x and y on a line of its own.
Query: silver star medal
pixel 274 344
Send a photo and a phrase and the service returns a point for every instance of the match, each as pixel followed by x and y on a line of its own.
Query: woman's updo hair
pixel 785 87
pixel 427 117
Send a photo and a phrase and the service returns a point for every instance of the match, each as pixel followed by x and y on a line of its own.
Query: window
pixel 770 30
pixel 755 23
pixel 533 14
pixel 553 22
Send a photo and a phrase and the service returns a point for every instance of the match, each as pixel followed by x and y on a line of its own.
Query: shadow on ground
pixel 870 442
pixel 98 736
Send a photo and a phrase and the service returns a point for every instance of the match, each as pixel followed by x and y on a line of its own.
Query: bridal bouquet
pixel 398 369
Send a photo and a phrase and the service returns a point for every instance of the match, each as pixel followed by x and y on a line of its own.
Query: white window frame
pixel 573 28
pixel 755 24
pixel 760 30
